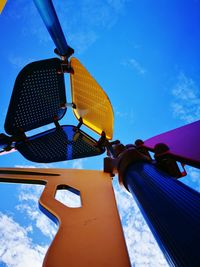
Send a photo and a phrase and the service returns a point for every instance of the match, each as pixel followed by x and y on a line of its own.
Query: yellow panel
pixel 92 103
pixel 2 4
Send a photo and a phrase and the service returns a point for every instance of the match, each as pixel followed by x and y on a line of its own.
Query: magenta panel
pixel 184 143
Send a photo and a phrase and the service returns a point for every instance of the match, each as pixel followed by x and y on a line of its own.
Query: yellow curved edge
pixel 2 4
pixel 92 103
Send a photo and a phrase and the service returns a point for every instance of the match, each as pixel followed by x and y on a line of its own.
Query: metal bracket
pixel 5 142
pixel 64 57
pixel 80 123
pixel 166 163
pixel 65 67
pixel 125 155
pixel 70 105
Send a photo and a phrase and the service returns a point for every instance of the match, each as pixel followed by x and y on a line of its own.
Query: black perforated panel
pixel 59 145
pixel 38 96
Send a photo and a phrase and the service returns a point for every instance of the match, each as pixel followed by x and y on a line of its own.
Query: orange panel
pixel 87 236
pixel 92 103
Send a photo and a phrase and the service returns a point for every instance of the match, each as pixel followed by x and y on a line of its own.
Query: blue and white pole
pixel 171 209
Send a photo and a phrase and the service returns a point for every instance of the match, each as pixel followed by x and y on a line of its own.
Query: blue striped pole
pixel 171 209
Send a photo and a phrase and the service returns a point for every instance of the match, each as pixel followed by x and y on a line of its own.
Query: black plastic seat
pixel 59 144
pixel 38 97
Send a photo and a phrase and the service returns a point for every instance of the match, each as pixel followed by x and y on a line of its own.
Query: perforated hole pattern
pixel 92 103
pixel 37 96
pixel 58 145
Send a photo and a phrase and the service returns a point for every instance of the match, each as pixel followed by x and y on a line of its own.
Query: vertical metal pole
pixel 171 209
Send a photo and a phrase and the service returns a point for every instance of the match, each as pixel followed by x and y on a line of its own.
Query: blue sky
pixel 145 54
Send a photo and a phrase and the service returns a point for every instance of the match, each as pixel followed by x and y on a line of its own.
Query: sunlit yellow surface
pixel 92 103
pixel 2 4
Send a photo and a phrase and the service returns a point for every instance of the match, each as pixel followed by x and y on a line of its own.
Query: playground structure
pixel 170 208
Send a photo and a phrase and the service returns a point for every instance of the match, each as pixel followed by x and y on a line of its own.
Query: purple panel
pixel 184 143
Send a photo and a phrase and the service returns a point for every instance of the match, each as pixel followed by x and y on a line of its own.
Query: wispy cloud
pixel 36 165
pixel 28 205
pixel 83 40
pixel 25 166
pixel 19 62
pixel 192 179
pixel 77 164
pixel 90 19
pixel 186 103
pixel 125 115
pixel 135 65
pixel 195 176
pixel 121 114
pixel 68 198
pixel 82 21
pixel 16 248
pixel 186 107
pixel 117 5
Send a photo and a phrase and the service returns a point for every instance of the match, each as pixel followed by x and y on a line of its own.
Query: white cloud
pixel 121 114
pixel 68 198
pixel 28 198
pixel 25 166
pixel 83 39
pixel 82 21
pixel 37 165
pixel 186 107
pixel 127 116
pixel 16 248
pixel 117 5
pixel 136 65
pixel 91 17
pixel 18 61
pixel 195 175
pixel 77 164
pixel 193 178
pixel 186 103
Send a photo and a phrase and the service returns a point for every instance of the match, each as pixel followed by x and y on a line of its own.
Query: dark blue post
pixel 171 209
pixel 50 19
